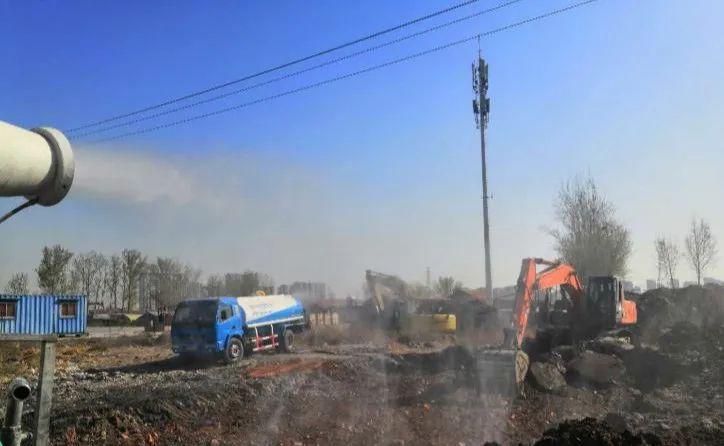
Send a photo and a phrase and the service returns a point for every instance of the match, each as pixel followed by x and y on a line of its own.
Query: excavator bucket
pixel 501 371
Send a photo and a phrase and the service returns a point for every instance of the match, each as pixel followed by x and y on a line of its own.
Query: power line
pixel 279 67
pixel 349 75
pixel 297 73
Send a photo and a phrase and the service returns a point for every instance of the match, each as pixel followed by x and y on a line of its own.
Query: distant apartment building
pixel 504 293
pixel 654 284
pixel 712 281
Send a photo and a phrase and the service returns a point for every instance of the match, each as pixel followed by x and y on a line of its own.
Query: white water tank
pixel 36 164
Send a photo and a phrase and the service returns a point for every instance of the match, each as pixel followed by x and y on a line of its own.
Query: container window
pixel 68 309
pixel 7 310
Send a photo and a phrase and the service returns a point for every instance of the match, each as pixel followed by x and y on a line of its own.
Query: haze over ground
pixel 381 171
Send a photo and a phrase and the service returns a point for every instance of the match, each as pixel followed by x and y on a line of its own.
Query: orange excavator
pixel 601 306
pixel 581 312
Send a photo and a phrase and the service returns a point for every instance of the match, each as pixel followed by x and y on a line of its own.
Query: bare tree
pixel 667 256
pixel 132 265
pixel 99 264
pixel 52 270
pixel 215 285
pixel 169 280
pixel 590 238
pixel 87 274
pixel 258 282
pixel 420 291
pixel 701 248
pixel 173 281
pixel 112 280
pixel 18 284
pixel 232 284
pixel 446 286
pixel 191 283
pixel 248 283
pixel 78 274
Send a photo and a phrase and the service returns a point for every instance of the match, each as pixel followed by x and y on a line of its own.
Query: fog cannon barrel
pixel 18 392
pixel 36 164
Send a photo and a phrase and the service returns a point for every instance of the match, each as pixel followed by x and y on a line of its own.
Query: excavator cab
pixel 601 304
pixel 604 304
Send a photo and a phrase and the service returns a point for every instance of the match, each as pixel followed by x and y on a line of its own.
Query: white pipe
pixel 36 164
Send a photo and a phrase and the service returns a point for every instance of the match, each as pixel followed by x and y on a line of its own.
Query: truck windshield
pixel 195 313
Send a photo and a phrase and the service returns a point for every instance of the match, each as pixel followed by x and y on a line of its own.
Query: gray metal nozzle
pixel 18 391
pixel 36 164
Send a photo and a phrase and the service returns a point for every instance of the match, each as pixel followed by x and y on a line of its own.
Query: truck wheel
pixel 234 351
pixel 287 343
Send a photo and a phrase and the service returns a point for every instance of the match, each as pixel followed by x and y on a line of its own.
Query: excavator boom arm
pixel 393 283
pixel 530 281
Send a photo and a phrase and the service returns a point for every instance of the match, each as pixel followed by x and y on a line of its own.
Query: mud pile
pixel 590 431
pixel 663 308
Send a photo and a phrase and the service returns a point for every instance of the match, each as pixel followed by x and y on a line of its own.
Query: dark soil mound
pixel 590 431
pixel 650 369
pixel 662 308
pixel 696 434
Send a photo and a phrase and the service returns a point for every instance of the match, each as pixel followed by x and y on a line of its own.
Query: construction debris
pixel 610 345
pixel 597 368
pixel 347 387
pixel 661 309
pixel 547 377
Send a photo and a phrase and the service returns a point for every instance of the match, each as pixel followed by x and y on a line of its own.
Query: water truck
pixel 232 327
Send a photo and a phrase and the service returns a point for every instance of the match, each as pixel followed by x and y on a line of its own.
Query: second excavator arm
pixel 394 284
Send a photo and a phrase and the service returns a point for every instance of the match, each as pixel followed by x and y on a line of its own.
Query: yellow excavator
pixel 396 309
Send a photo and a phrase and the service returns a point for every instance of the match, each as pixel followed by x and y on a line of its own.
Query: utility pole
pixel 427 277
pixel 481 108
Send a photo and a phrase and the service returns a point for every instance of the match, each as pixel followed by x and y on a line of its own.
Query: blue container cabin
pixel 64 315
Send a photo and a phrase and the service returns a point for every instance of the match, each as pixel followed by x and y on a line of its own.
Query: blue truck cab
pixel 232 327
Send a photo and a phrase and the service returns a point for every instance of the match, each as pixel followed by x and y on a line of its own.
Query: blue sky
pixel 380 171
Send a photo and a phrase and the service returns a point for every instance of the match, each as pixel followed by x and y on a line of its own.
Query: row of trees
pixel 591 238
pixel 444 286
pixel 128 281
pixel 700 250
pixel 111 280
pixel 107 280
pixel 239 284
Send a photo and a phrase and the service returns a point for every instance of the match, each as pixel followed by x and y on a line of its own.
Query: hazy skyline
pixel 381 171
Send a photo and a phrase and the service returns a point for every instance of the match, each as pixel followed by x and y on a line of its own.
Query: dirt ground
pixel 347 388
